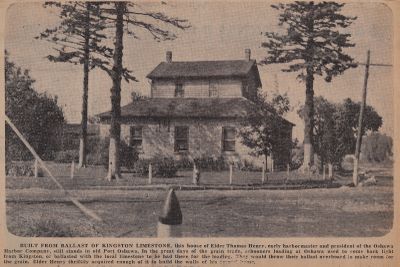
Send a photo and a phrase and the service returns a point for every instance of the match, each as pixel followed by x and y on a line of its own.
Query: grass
pixel 340 212
pixel 365 211
pixel 94 176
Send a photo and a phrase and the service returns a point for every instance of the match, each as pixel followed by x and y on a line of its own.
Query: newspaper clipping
pixel 199 133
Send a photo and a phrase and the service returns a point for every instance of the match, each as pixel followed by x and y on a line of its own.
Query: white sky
pixel 220 31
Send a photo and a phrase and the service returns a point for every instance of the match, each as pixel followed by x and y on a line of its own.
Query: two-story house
pixel 195 109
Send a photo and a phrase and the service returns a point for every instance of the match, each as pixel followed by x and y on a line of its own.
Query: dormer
pixel 205 79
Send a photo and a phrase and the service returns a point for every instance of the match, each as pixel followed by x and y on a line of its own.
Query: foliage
pixel 297 158
pixel 377 147
pixel 67 156
pixel 335 128
pixel 164 167
pixel 135 96
pixel 312 44
pixel 264 130
pixel 161 167
pixel 313 41
pixel 37 116
pixel 211 164
pixel 249 166
pixel 98 153
pixel 184 163
pixel 348 115
pixel 17 169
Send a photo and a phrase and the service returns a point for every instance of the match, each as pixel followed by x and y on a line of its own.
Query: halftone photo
pixel 199 119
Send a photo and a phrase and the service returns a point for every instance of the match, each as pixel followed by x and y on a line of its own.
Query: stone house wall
pixel 205 139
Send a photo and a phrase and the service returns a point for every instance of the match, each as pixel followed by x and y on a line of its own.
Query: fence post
pixel 323 172
pixel 196 175
pixel 36 168
pixel 72 169
pixel 288 170
pixel 330 170
pixel 263 174
pixel 170 220
pixel 150 173
pixel 230 173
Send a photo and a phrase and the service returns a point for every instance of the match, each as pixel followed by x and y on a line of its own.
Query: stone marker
pixel 170 220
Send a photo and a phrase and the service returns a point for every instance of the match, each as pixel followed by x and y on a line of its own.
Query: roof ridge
pixel 222 60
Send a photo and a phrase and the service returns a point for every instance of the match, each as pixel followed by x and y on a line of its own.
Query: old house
pixel 194 110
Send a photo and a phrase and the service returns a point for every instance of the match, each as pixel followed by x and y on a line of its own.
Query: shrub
pixel 97 153
pixel 211 164
pixel 184 164
pixel 141 167
pixel 249 166
pixel 24 168
pixel 49 228
pixel 67 156
pixel 128 155
pixel 297 158
pixel 161 167
pixel 165 167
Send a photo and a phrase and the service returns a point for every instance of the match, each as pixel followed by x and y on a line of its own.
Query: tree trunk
pixel 115 126
pixel 309 121
pixel 83 137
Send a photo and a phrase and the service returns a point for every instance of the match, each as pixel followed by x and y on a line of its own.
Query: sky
pixel 221 30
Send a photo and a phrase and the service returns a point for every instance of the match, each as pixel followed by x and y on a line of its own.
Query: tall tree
pixel 77 40
pixel 124 17
pixel 36 115
pixel 313 45
pixel 335 127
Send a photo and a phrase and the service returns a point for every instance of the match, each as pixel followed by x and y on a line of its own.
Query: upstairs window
pixel 228 138
pixel 213 91
pixel 179 92
pixel 136 136
pixel 181 138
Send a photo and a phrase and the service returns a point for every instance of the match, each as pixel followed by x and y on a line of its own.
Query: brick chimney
pixel 247 54
pixel 169 56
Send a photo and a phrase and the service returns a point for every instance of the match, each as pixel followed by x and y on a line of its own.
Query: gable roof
pixel 204 69
pixel 238 107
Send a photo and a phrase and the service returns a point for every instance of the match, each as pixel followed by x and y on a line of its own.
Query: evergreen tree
pixel 312 45
pixel 125 17
pixel 77 40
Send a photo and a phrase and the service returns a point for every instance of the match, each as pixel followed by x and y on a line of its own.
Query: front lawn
pixel 34 205
pixel 94 176
pixel 365 211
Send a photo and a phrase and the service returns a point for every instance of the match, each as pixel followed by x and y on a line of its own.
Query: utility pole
pixel 360 121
